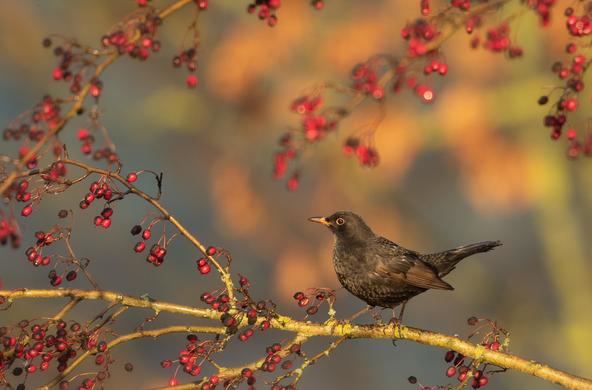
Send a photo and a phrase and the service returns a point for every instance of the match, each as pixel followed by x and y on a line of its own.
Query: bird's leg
pixel 402 311
pixel 376 315
pixel 398 320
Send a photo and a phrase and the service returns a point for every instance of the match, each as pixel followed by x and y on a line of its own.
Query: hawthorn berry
pixel 27 210
pixel 191 81
pixel 139 247
pixel 131 177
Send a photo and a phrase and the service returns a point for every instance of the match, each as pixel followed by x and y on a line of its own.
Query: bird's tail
pixel 444 262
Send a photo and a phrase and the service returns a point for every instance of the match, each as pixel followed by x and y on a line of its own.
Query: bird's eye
pixel 340 221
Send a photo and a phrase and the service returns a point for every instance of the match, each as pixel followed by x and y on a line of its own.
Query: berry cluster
pixel 472 371
pixel 30 347
pixel 157 251
pixel 202 264
pixel 87 141
pixel 9 231
pixel 313 299
pixel 104 219
pixel 571 73
pixel 366 79
pixel 55 172
pixel 462 371
pixel 125 39
pixel 97 190
pixel 32 126
pixel 36 256
pixel 266 9
pixel 367 155
pixel 543 9
pixel 418 35
pixel 497 40
pixel 192 357
pixel 73 66
pixel 315 125
pixel 20 190
pixel 189 58
pixel 579 26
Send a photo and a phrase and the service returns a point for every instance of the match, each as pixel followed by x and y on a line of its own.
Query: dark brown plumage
pixel 382 273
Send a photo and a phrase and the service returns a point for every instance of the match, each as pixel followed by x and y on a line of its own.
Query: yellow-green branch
pixel 310 329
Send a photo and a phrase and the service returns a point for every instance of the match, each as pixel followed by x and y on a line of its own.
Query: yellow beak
pixel 320 220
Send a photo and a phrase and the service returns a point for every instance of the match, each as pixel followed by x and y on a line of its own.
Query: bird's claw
pixel 397 325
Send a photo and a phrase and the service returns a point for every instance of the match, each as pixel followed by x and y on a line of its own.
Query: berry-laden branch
pixel 208 253
pixel 79 100
pixel 130 337
pixel 342 330
pixel 423 60
pixel 38 344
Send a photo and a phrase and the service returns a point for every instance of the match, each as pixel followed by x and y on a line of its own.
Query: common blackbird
pixel 382 273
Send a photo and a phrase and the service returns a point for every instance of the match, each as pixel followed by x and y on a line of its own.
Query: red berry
pixel 191 81
pixel 451 371
pixel 131 177
pixel 247 372
pixel 57 73
pixel 571 104
pixel 204 269
pixel 146 234
pixel 107 212
pixel 139 247
pixel 27 210
pixel 211 251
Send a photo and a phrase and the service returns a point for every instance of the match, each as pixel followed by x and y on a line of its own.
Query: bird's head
pixel 346 225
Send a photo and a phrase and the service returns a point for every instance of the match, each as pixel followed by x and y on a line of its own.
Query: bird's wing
pixel 402 265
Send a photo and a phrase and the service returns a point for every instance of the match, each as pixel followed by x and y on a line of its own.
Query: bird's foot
pixel 397 324
pixel 395 321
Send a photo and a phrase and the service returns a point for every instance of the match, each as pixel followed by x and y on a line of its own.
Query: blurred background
pixel 475 165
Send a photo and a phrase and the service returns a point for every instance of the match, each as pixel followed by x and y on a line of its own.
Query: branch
pixel 78 103
pixel 224 272
pixel 334 329
pixel 129 337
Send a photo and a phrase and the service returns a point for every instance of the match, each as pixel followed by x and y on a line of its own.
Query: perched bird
pixel 382 273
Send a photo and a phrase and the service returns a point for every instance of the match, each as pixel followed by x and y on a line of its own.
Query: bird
pixel 383 273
